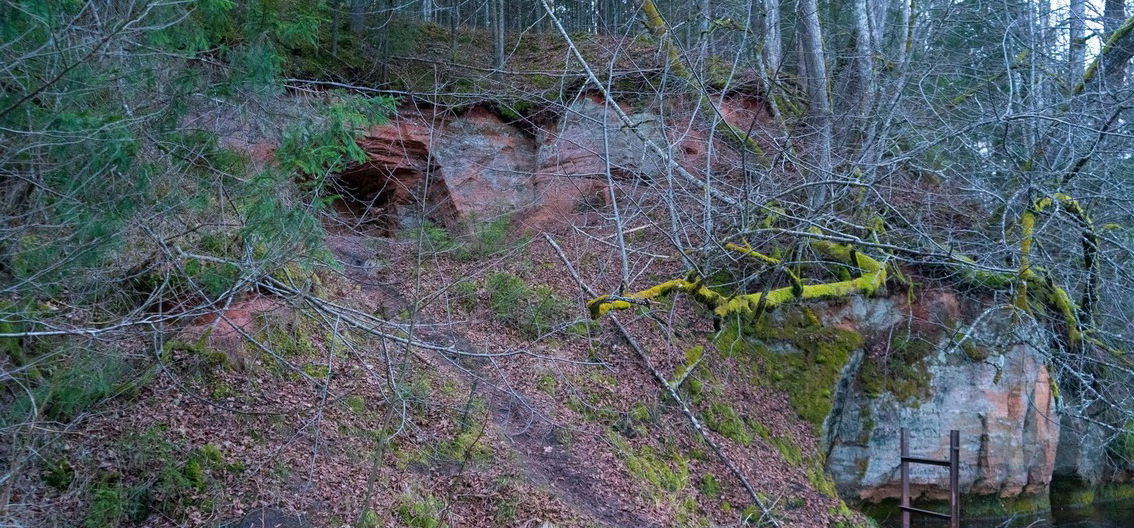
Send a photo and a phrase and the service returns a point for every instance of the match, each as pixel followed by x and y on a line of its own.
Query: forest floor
pixel 566 427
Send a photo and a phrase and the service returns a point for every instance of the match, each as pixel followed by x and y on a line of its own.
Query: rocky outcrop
pixel 388 188
pixel 458 169
pixel 590 138
pixel 1081 455
pixel 575 155
pixel 931 367
pixel 485 168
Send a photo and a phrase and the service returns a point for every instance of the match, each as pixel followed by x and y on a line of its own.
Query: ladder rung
pixel 925 512
pixel 929 461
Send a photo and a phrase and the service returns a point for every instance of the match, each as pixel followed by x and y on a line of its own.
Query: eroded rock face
pixel 993 387
pixel 389 187
pixel 590 134
pixel 449 169
pixel 485 166
pixel 474 166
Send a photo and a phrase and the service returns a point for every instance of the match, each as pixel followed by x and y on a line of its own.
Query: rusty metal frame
pixel 954 515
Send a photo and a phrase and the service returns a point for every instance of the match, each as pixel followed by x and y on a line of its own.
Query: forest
pixel 550 263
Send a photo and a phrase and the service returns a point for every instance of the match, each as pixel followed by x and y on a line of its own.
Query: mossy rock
pixel 794 353
pixel 902 372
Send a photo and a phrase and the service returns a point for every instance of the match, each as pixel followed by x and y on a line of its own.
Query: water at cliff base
pixel 1105 515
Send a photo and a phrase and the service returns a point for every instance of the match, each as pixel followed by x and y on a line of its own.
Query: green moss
pixel 996 506
pixel 288 338
pixel 666 474
pixel 1073 493
pixel 467 446
pixel 546 384
pixel 421 511
pixel 1073 497
pixel 692 357
pixel 820 480
pixel 592 411
pixel 356 404
pixel 722 419
pixel 808 371
pixel 639 413
pixel 974 351
pixel 1116 492
pixel 463 294
pixel 973 506
pixel 317 371
pixel 789 450
pixel 866 416
pixel 710 486
pixel 369 519
pixel 902 371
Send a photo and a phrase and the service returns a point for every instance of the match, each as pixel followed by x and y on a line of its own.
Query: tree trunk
pixel 1114 67
pixel 773 44
pixel 706 21
pixel 498 63
pixel 812 59
pixel 1076 41
pixel 356 14
pixel 864 57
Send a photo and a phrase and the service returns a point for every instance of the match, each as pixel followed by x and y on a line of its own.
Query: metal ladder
pixel 954 515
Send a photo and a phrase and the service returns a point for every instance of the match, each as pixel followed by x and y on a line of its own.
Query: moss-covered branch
pixel 1029 276
pixel 872 277
pixel 1113 45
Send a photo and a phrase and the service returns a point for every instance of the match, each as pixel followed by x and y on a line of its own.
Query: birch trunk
pixel 819 111
pixel 773 44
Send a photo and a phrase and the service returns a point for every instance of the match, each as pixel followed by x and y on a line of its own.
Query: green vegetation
pixel 154 475
pixel 467 446
pixel 434 239
pixel 808 372
pixel 710 486
pixel 693 356
pixel 369 519
pixel 546 384
pixel 356 404
pixel 533 310
pixel 666 473
pixel 463 294
pixel 901 371
pixel 721 418
pixel 112 504
pixel 486 239
pixel 474 240
pixel 58 473
pixel 421 511
pixel 789 450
